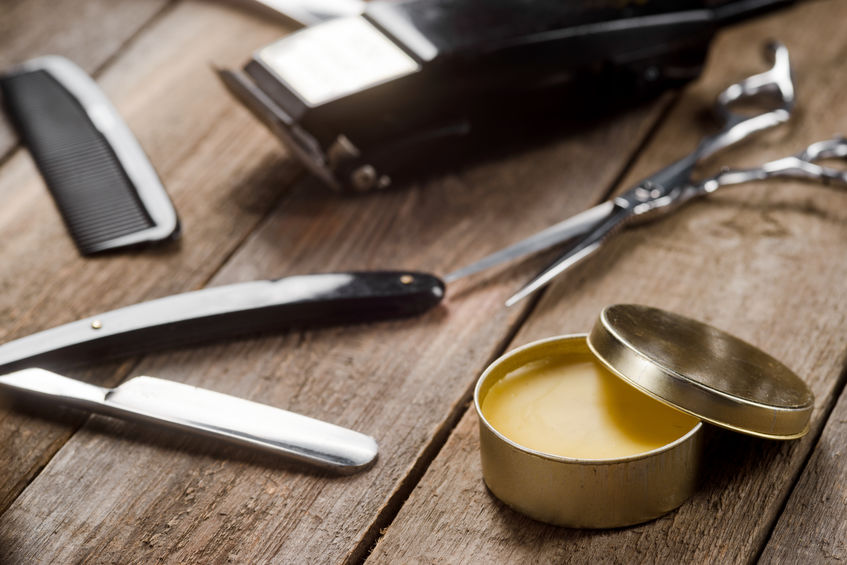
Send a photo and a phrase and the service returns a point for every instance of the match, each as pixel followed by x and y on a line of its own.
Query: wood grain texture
pixel 203 148
pixel 120 492
pixel 813 526
pixel 87 32
pixel 763 261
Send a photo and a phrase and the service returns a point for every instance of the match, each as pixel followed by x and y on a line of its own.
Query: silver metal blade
pixel 242 421
pixel 45 383
pixel 552 272
pixel 208 413
pixel 310 12
pixel 592 241
pixel 558 233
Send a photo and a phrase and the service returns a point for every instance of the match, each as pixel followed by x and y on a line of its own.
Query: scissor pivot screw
pixel 96 325
pixel 363 178
pixel 642 193
pixel 407 279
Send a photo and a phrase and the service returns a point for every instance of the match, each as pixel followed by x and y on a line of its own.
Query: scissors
pixel 669 188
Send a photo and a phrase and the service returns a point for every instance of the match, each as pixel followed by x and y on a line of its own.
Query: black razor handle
pixel 228 311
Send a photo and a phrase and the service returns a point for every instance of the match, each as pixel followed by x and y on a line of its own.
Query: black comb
pixel 105 188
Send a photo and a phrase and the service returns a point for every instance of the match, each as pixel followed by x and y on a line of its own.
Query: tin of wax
pixel 605 430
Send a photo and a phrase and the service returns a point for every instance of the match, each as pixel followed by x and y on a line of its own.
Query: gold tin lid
pixel 702 370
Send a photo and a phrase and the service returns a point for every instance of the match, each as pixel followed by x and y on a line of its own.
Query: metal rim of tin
pixel 703 371
pixel 578 492
pixel 495 365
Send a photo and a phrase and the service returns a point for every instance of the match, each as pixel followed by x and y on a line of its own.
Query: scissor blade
pixel 558 233
pixel 590 243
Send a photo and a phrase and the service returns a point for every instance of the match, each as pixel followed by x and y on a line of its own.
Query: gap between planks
pixel 838 391
pixel 7 153
pixel 121 373
pixel 129 365
pixel 827 407
pixel 389 512
pixel 264 257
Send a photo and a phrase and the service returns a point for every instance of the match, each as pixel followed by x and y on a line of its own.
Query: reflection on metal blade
pixel 558 233
pixel 310 12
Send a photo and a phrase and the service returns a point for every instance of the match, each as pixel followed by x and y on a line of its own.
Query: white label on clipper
pixel 336 58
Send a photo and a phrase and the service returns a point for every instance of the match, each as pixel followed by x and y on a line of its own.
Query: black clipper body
pixel 363 99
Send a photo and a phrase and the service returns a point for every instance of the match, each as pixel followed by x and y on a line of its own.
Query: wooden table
pixel 765 261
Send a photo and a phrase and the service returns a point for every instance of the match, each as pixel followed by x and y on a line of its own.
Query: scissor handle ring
pixel 777 81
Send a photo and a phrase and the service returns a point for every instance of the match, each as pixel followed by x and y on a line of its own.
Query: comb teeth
pixel 98 201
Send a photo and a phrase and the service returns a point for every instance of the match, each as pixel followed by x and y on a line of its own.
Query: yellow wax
pixel 572 406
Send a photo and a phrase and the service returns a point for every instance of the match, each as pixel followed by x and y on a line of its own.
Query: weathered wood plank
pixel 122 492
pixel 764 261
pixel 88 32
pixel 813 526
pixel 223 173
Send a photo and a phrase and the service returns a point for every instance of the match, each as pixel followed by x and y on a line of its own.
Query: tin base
pixel 582 493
